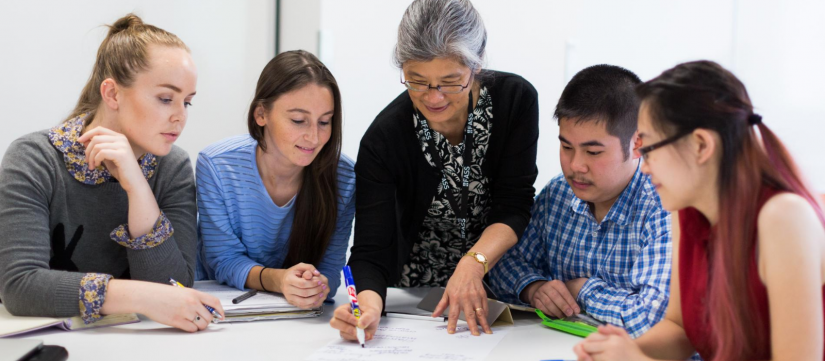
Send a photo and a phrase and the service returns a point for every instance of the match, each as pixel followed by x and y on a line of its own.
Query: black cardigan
pixel 395 185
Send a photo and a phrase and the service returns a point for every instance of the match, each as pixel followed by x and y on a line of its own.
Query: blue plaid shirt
pixel 626 257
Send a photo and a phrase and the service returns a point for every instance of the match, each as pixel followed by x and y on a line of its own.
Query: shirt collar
pixel 64 138
pixel 620 211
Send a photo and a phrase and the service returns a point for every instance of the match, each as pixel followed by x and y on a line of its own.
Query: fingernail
pixel 323 287
pixel 451 331
pixel 316 272
pixel 568 312
pixel 319 283
pixel 578 310
pixel 489 332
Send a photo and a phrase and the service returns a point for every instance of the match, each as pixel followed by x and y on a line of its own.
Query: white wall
pixel 780 56
pixel 47 49
pixel 778 50
pixel 299 25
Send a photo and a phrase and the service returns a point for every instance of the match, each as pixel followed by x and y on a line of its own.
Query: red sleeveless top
pixel 693 281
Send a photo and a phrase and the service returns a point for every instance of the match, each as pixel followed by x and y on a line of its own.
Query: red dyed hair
pixel 704 95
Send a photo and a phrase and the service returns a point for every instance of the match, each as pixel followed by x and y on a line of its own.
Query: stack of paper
pixel 262 306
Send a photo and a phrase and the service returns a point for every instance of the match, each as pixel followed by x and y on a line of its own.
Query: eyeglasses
pixel 445 89
pixel 644 151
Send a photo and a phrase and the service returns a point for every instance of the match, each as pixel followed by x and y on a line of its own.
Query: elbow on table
pixel 17 304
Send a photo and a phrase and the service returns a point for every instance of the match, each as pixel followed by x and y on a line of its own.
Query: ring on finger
pixel 197 318
pixel 479 309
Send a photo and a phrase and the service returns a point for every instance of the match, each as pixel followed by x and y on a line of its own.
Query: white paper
pixel 260 302
pixel 402 339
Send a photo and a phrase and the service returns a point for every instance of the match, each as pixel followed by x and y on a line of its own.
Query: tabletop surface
pixel 278 339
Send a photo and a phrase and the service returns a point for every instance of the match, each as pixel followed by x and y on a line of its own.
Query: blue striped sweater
pixel 239 226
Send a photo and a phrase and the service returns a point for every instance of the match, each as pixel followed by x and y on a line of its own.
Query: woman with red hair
pixel 748 235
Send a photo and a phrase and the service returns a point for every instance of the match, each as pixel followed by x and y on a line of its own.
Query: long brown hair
pixel 122 54
pixel 704 95
pixel 316 207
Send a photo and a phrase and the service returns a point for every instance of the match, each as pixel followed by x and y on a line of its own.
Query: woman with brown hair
pixel 748 275
pixel 278 202
pixel 105 197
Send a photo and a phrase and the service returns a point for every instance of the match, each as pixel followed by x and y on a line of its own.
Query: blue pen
pixel 353 301
pixel 211 310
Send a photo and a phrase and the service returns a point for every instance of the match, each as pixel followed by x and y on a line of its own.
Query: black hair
pixel 603 93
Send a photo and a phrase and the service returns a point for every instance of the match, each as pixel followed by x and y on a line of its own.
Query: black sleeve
pixel 513 189
pixel 375 247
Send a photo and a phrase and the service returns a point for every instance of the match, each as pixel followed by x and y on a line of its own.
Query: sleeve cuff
pixel 525 281
pixel 589 286
pixel 517 223
pixel 92 294
pixel 160 233
pixel 238 276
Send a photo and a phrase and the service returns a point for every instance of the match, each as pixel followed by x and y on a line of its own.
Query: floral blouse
pixel 93 286
pixel 439 246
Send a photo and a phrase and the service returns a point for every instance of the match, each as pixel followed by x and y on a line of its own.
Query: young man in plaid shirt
pixel 598 239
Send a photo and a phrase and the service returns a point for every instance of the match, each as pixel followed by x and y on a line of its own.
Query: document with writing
pixel 401 339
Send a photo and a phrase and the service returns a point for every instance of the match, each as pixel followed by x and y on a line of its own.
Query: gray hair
pixel 433 29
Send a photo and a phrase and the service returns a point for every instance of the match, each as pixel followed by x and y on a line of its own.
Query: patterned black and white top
pixel 439 246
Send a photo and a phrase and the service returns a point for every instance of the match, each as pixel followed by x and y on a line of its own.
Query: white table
pixel 276 340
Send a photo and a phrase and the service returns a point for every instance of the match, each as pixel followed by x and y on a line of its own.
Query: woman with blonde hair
pixel 98 213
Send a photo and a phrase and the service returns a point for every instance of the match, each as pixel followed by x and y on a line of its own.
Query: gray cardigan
pixel 49 218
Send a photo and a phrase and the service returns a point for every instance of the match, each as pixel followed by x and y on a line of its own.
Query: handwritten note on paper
pixel 400 339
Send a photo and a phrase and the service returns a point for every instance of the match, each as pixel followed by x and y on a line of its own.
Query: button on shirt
pixel 626 257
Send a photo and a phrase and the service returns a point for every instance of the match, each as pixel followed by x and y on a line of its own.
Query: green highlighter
pixel 572 327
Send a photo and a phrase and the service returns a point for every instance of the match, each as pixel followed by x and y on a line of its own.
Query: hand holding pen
pixel 214 315
pixel 369 304
pixel 353 301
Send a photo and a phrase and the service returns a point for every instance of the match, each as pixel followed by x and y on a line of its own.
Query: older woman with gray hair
pixel 445 172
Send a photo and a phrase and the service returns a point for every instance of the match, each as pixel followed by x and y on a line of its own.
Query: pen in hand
pixel 353 300
pixel 216 316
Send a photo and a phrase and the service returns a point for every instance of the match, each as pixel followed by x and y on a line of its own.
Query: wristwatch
pixel 480 258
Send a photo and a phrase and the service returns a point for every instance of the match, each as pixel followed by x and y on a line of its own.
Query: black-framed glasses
pixel 446 89
pixel 644 151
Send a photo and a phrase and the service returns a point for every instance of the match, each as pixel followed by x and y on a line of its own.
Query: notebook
pixel 261 306
pixel 16 325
